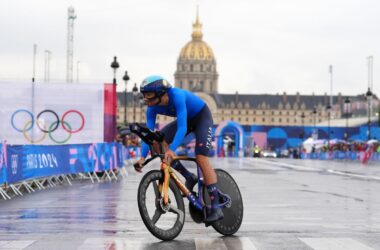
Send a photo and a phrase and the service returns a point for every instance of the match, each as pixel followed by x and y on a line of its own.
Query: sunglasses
pixel 150 99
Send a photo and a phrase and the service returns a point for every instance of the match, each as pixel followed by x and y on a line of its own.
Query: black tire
pixel 151 211
pixel 233 215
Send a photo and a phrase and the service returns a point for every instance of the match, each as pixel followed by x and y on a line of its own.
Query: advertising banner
pixel 51 114
pixel 36 161
pixel 3 161
pixel 110 110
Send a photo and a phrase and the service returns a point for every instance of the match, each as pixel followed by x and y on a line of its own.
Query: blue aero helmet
pixel 155 84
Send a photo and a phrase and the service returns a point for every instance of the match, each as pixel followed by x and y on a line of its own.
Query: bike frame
pixel 169 173
pixel 155 138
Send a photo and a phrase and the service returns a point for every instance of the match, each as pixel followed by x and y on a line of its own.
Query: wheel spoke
pixel 177 211
pixel 155 188
pixel 156 216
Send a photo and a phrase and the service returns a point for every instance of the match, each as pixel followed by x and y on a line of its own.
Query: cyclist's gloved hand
pixel 169 155
pixel 138 165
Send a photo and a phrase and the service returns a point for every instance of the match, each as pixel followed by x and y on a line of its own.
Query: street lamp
pixel 328 125
pixel 369 98
pixel 135 91
pixel 114 65
pixel 347 113
pixel 315 116
pixel 303 127
pixel 126 79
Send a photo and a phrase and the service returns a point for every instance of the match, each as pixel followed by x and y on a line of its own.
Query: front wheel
pixel 163 221
pixel 233 214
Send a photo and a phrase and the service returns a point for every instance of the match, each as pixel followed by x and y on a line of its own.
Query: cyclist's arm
pixel 150 123
pixel 180 106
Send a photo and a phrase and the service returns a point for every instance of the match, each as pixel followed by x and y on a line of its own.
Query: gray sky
pixel 260 46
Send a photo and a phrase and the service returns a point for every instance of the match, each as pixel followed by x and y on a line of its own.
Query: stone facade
pixel 196 71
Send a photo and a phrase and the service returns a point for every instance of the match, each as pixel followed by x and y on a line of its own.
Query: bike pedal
pixel 207 224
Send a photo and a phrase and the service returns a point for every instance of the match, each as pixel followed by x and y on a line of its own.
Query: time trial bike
pixel 160 194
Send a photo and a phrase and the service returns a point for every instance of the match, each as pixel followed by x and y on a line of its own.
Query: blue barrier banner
pixel 33 161
pixel 342 155
pixel 3 170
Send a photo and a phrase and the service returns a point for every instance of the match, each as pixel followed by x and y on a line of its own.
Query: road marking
pixel 334 244
pixel 287 165
pixel 353 175
pixel 206 244
pixel 304 168
pixel 239 243
pixel 236 243
pixel 110 243
pixel 15 244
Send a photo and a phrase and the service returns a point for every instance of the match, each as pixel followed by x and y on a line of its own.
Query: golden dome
pixel 197 49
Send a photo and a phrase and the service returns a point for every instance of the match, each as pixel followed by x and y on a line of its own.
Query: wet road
pixel 288 204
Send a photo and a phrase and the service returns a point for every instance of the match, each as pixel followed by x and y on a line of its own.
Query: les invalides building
pixel 197 71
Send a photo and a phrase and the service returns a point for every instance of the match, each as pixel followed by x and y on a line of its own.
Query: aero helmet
pixel 155 84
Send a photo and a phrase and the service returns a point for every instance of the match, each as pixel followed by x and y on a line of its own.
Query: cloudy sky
pixel 270 46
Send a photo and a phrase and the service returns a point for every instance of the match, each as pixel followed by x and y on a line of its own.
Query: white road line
pixel 287 165
pixel 15 244
pixel 334 244
pixel 304 168
pixel 242 243
pixel 206 244
pixel 236 243
pixel 110 243
pixel 353 175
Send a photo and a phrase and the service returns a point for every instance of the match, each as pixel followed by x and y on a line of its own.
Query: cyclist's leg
pixel 169 132
pixel 203 130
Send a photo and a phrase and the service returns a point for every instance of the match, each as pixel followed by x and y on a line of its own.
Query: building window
pixel 246 119
pixel 263 119
pixel 254 119
pixel 191 68
pixel 272 112
pixel 183 67
pixel 287 120
pixel 201 67
pixel 272 119
pixel 280 113
pixel 181 84
pixel 263 112
pixel 279 120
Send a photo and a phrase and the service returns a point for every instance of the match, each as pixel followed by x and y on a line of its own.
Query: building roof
pixel 197 49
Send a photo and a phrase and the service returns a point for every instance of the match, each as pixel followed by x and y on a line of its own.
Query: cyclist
pixel 193 115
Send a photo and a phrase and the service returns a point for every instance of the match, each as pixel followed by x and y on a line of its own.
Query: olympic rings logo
pixel 47 130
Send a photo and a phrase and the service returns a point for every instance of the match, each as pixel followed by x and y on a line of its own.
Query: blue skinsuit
pixel 182 104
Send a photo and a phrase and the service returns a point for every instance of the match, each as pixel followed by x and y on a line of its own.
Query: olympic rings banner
pixel 23 162
pixel 51 114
